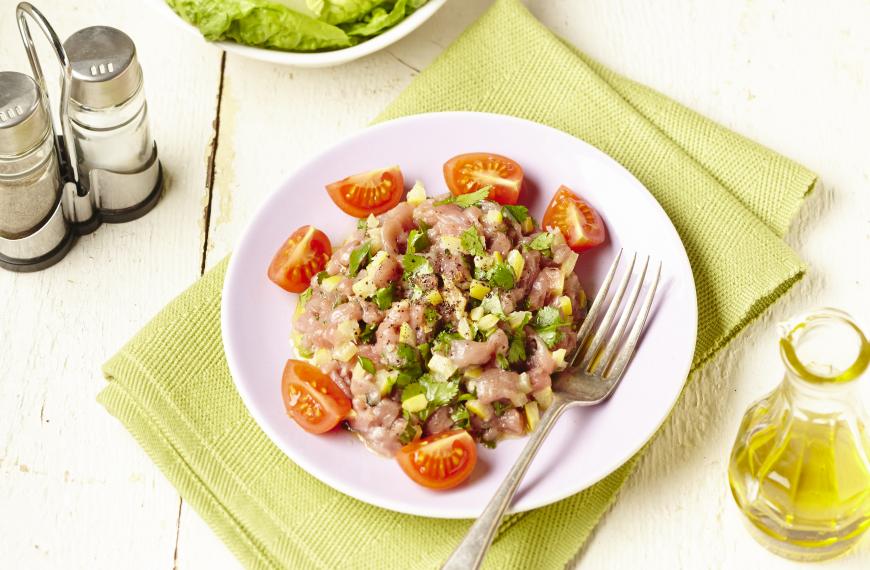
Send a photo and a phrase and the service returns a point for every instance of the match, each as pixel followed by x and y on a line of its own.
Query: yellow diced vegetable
pixel 533 415
pixel 441 366
pixel 565 306
pixel 516 261
pixel 406 334
pixel 434 297
pixel 567 266
pixel 416 403
pixel 544 397
pixel 478 408
pixel 478 290
pixel 473 372
pixel 494 217
pixel 559 358
pixel 348 329
pixel 345 352
pixel 417 194
pixel 487 322
pixel 451 243
pixel 476 313
pixel 385 380
pixel 528 225
pixel 463 327
pixel 364 287
pixel 496 255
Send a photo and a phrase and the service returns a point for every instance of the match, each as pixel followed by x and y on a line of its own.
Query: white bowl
pixel 317 59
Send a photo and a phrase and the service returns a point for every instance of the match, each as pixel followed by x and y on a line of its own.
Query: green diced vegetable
pixel 367 364
pixel 358 258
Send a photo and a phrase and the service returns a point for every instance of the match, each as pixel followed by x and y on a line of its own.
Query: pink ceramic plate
pixel 587 444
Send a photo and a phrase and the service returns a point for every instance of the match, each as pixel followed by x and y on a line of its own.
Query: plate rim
pixel 316 59
pixel 389 503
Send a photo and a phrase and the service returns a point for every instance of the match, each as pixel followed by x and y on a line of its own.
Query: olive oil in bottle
pixel 800 467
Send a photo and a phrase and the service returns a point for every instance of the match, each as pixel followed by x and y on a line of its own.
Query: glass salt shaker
pixel 117 156
pixel 33 232
pixel 800 466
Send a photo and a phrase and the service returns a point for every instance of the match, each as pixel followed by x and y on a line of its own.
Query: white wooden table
pixel 76 491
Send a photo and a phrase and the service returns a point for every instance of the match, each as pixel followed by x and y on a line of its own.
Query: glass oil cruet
pixel 800 467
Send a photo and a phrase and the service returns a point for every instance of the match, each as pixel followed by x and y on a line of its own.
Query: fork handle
pixel 470 552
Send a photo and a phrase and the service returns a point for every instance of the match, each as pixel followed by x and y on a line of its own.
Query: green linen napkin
pixel 730 199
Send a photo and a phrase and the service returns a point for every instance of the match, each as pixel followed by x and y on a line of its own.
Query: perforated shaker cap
pixel 23 120
pixel 105 70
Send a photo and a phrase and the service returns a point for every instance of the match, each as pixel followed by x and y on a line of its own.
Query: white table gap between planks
pixel 76 491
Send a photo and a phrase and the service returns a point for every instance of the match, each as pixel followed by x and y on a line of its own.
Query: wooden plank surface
pixel 793 76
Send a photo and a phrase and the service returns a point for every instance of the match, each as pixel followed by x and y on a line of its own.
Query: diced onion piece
pixel 347 329
pixel 476 313
pixel 494 217
pixel 358 372
pixel 525 383
pixel 518 400
pixel 372 221
pixel 533 415
pixel 364 287
pixel 330 283
pixel 478 290
pixel 385 380
pixel 451 243
pixel 377 239
pixel 321 357
pixel 417 194
pixel 567 266
pixel 516 261
pixel 516 318
pixel 441 366
pixel 464 329
pixel 487 322
pixel 345 352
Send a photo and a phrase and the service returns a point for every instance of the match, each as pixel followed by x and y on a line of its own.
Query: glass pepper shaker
pixel 800 466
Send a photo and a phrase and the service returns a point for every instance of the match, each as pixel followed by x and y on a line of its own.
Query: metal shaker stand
pixel 79 209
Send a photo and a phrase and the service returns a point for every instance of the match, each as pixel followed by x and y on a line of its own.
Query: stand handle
pixel 67 149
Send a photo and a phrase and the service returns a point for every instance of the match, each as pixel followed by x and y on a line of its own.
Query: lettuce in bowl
pixel 291 25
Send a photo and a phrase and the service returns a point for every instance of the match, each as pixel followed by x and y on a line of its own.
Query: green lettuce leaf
pixel 260 23
pixel 377 20
pixel 342 11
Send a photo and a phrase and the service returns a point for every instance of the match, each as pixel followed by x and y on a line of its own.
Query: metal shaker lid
pixel 105 70
pixel 23 119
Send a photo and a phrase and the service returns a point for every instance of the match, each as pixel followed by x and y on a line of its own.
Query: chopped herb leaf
pixel 499 408
pixel 547 322
pixel 409 434
pixel 410 361
pixel 460 417
pixel 502 362
pixel 412 390
pixel 367 364
pixel 550 337
pixel 439 393
pixel 502 276
pixel 358 258
pixel 542 242
pixel 321 276
pixel 384 297
pixel 516 213
pixel 415 264
pixel 430 314
pixel 467 200
pixel 418 240
pixel 472 242
pixel 443 341
pixel 425 351
pixel 368 333
pixel 517 349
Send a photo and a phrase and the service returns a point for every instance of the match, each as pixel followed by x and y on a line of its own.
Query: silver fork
pixel 603 355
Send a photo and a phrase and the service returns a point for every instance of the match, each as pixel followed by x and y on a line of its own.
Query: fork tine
pixel 622 359
pixel 592 314
pixel 598 338
pixel 613 342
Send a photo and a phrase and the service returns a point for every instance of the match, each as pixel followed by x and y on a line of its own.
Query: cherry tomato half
pixel 440 461
pixel 578 221
pixel 312 398
pixel 302 256
pixel 372 192
pixel 470 172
